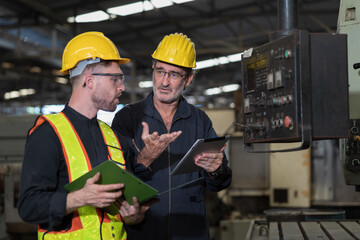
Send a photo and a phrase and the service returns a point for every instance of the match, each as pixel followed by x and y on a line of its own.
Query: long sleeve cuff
pixel 57 209
pixel 223 181
pixel 143 172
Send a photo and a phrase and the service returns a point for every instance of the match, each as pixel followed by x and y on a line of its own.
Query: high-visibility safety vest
pixel 87 222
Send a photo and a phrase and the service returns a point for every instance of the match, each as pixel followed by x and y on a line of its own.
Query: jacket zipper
pixel 169 220
pixel 169 168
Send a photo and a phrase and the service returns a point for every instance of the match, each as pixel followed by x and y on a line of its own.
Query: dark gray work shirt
pixel 181 213
pixel 42 198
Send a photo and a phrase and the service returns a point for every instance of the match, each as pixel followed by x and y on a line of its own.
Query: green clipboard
pixel 113 173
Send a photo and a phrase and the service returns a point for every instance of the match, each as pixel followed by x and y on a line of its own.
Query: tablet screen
pixel 211 145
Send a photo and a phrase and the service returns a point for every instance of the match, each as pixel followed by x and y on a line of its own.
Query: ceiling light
pixel 131 8
pixel 219 61
pixel 223 60
pixel 230 88
pixel 124 10
pixel 235 57
pixel 148 6
pixel 145 84
pixel 218 90
pixel 207 63
pixel 96 16
pixel 61 80
pixel 25 92
pixel 7 65
pixel 181 1
pixel 161 3
pixel 212 91
pixel 21 93
pixel 71 19
pixel 56 72
pixel 12 94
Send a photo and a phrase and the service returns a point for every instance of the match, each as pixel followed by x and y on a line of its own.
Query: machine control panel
pixel 271 92
pixel 295 89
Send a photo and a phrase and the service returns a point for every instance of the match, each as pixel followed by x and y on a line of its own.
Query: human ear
pixel 88 81
pixel 189 80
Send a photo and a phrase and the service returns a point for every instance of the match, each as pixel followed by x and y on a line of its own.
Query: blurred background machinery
pixel 12 142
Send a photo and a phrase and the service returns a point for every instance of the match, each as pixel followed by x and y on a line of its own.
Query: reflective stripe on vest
pixel 112 143
pixel 86 220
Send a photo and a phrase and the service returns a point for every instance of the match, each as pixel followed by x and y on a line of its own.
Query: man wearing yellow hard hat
pixel 163 127
pixel 62 147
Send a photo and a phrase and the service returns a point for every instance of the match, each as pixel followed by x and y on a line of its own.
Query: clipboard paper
pixel 112 173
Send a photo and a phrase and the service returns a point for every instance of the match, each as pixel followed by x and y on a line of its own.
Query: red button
pixel 282 100
pixel 287 121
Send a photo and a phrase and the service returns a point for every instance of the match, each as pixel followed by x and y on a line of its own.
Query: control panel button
pixel 289 98
pixel 270 81
pixel 288 53
pixel 288 123
pixel 279 82
pixel 280 123
pixel 276 101
pixel 247 105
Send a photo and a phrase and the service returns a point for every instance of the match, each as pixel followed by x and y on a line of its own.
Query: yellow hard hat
pixel 89 45
pixel 176 49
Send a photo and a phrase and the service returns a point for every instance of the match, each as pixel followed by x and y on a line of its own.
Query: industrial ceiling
pixel 33 34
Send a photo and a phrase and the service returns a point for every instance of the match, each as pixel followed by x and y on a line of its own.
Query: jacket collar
pixel 73 114
pixel 183 110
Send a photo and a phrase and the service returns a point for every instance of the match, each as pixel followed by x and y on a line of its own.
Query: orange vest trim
pixel 75 225
pixel 38 122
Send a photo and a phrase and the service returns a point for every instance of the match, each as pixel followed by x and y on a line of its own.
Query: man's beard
pixel 173 95
pixel 103 104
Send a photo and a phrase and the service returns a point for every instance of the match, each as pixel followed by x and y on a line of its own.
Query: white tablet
pixel 211 145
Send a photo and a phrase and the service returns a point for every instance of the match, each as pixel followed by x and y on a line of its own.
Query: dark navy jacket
pixel 180 214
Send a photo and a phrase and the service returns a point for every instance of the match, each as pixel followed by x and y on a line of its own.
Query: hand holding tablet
pixel 210 145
